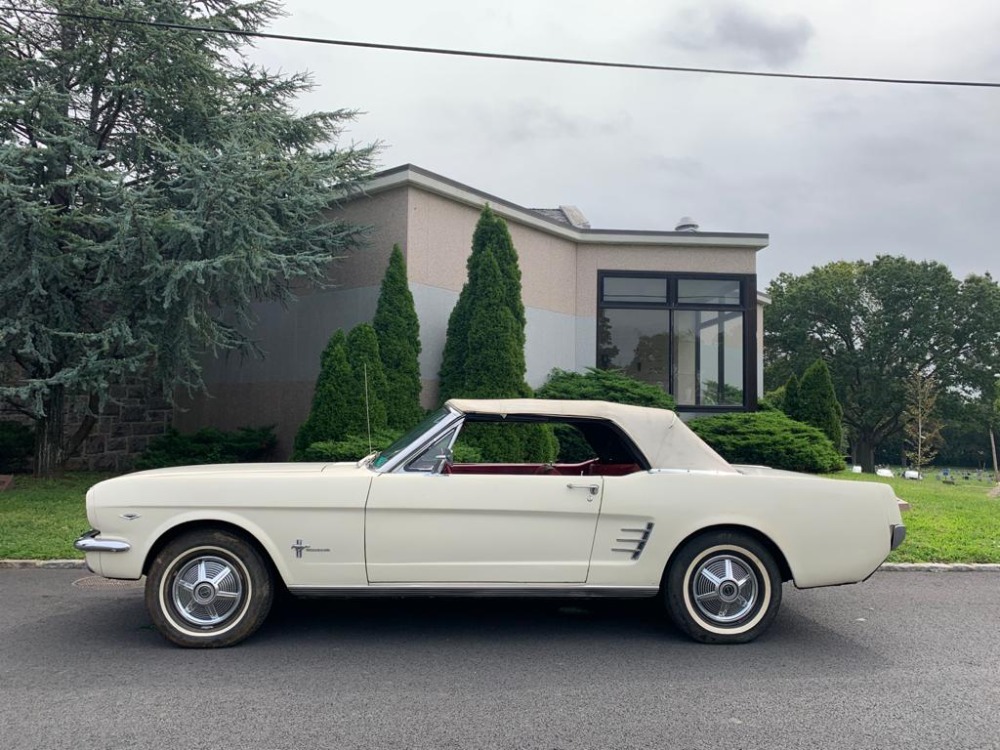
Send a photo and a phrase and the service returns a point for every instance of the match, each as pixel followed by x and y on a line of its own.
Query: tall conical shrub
pixel 817 402
pixel 491 238
pixel 369 380
pixel 398 330
pixel 334 398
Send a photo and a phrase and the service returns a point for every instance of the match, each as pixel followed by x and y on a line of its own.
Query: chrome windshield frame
pixel 420 443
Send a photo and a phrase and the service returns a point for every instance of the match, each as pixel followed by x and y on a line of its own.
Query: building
pixel 678 308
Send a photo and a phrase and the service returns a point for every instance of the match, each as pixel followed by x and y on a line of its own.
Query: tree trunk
pixel 49 433
pixel 864 448
pixel 84 430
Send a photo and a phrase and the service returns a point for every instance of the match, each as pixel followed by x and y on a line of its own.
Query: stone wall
pixel 133 415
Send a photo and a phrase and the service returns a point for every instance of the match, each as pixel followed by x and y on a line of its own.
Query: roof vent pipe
pixel 686 224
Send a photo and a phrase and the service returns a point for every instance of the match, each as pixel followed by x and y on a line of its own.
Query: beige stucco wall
pixel 559 290
pixel 440 240
pixel 386 214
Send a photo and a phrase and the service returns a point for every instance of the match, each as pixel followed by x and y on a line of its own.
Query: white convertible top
pixel 660 434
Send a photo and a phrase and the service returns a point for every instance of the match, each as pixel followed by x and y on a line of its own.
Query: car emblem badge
pixel 130 516
pixel 299 547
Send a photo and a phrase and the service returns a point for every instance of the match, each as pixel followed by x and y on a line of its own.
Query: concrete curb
pixel 35 564
pixel 890 567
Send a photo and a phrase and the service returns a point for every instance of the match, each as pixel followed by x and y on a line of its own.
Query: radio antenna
pixel 368 417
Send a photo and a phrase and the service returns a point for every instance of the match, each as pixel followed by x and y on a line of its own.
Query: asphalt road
pixel 907 660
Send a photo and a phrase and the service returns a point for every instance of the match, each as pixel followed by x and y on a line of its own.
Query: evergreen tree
pixel 817 403
pixel 491 238
pixel 494 363
pixel 484 350
pixel 334 399
pixel 153 187
pixel 493 367
pixel 369 381
pixel 341 408
pixel 398 331
pixel 791 403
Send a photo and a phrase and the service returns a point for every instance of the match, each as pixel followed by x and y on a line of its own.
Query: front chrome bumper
pixel 90 543
pixel 897 535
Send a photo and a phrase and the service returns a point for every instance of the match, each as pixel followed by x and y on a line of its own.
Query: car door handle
pixel 593 489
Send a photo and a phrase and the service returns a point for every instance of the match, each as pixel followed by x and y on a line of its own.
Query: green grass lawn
pixel 945 523
pixel 39 519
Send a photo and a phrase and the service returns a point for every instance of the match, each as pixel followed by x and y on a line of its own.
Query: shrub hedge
pixel 604 385
pixel 209 446
pixel 769 438
pixel 17 444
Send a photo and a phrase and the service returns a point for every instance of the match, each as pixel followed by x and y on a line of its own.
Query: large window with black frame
pixel 693 335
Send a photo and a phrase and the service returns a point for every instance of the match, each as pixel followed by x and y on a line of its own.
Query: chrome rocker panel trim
pixel 477 590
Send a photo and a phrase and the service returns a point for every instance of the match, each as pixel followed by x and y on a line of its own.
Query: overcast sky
pixel 831 170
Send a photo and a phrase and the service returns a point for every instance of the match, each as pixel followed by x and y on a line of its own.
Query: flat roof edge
pixel 410 175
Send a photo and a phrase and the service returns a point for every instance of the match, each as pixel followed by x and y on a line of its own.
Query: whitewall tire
pixel 207 589
pixel 723 587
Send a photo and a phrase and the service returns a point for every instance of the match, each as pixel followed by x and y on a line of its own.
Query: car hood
pixel 250 469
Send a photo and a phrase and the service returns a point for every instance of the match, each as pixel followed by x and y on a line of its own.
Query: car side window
pixel 435 457
pixel 567 447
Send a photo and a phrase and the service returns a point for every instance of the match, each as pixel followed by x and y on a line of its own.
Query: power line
pixel 502 56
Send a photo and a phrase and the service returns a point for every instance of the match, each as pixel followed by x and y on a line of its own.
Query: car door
pixel 426 527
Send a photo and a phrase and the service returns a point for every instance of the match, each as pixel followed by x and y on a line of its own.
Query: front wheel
pixel 207 589
pixel 723 587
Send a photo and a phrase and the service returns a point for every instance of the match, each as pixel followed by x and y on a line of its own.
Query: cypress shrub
pixel 334 401
pixel 398 330
pixel 484 350
pixel 491 238
pixel 790 403
pixel 773 399
pixel 769 438
pixel 340 405
pixel 817 402
pixel 366 369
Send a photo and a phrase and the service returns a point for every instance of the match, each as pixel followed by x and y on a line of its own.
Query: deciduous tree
pixel 874 324
pixel 921 426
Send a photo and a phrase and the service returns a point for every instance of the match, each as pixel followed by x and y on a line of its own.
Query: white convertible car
pixel 643 509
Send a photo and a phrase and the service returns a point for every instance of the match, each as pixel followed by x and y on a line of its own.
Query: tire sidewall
pixel 247 563
pixel 685 612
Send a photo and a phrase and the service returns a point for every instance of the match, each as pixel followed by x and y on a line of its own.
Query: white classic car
pixel 644 509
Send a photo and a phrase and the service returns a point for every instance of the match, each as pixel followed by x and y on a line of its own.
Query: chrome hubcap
pixel 724 588
pixel 207 590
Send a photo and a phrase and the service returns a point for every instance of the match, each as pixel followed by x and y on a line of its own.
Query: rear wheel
pixel 723 587
pixel 207 589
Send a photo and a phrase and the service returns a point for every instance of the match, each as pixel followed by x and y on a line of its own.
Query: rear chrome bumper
pixel 90 543
pixel 897 535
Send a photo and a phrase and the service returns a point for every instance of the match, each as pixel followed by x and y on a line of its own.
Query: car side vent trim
pixel 637 540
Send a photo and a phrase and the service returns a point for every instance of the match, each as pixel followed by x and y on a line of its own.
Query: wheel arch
pixel 167 536
pixel 772 547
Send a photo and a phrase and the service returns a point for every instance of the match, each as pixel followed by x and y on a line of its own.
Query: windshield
pixel 400 445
